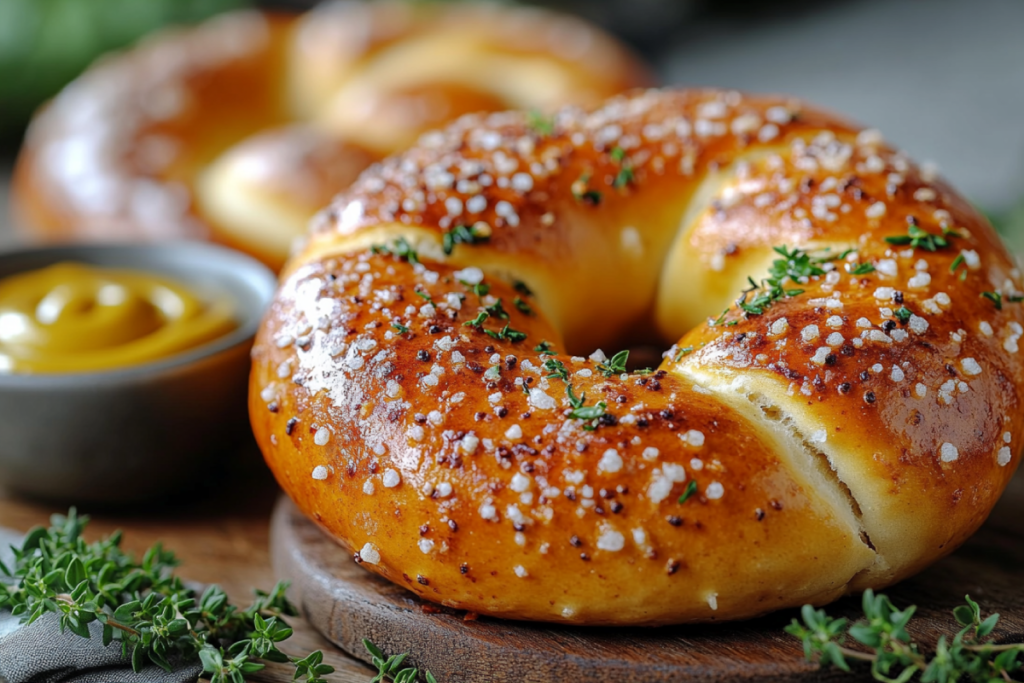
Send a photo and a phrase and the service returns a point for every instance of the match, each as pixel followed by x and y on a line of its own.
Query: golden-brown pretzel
pixel 241 128
pixel 853 418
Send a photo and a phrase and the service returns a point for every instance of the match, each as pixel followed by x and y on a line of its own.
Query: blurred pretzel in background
pixel 239 129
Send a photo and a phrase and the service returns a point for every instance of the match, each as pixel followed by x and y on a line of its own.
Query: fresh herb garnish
pixel 996 298
pixel 574 401
pixel 718 321
pixel 884 636
pixel 582 192
pixel 462 234
pixel 956 263
pixel 146 608
pixel 903 314
pixel 402 329
pixel 506 333
pixel 861 268
pixel 481 289
pixel 497 310
pixel 616 365
pixel 557 369
pixel 423 295
pixel 390 668
pixel 691 489
pixel 918 238
pixel 478 320
pixel 521 287
pixel 544 348
pixel 625 175
pixel 540 124
pixel 400 249
pixel 522 306
pixel 589 412
pixel 795 265
pixel 685 351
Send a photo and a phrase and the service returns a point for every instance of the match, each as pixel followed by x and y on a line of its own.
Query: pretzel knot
pixel 838 405
pixel 241 128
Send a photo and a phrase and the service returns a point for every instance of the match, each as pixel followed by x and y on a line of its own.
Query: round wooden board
pixel 347 604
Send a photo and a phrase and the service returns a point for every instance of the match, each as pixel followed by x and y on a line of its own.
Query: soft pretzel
pixel 240 129
pixel 426 388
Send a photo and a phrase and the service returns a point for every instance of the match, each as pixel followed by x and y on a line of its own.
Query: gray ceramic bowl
pixel 133 434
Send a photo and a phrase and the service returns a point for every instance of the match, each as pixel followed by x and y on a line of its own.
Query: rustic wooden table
pixel 220 536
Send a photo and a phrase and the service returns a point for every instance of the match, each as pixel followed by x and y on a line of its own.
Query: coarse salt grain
pixel 948 452
pixel 610 461
pixel 886 266
pixel 820 355
pixel 611 540
pixel 391 478
pixel 693 437
pixel 876 210
pixel 369 554
pixel 319 472
pixel 919 281
pixel 519 483
pixel 970 366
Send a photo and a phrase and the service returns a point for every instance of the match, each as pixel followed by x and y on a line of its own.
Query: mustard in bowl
pixel 124 369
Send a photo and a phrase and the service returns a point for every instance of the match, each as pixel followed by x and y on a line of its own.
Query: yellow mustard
pixel 72 317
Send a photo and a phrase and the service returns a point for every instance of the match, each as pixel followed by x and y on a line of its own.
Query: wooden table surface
pixel 220 535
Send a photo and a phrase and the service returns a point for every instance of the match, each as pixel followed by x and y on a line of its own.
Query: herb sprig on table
pixel 886 644
pixel 145 607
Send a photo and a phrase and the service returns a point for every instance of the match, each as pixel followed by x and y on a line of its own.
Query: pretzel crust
pixel 200 132
pixel 854 428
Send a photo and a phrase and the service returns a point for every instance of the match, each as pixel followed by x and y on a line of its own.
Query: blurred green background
pixel 943 78
pixel 46 43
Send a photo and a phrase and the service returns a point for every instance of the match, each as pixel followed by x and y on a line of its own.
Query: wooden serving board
pixel 347 604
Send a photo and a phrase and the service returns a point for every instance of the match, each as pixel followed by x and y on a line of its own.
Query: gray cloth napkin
pixel 40 653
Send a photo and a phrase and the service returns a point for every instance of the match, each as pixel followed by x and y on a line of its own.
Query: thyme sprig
pixel 400 249
pixel 145 607
pixel 796 265
pixel 540 124
pixel 625 176
pixel 582 192
pixel 997 299
pixel 894 657
pixel 919 238
pixel 390 668
pixel 691 490
pixel 498 312
pixel 463 234
pixel 616 365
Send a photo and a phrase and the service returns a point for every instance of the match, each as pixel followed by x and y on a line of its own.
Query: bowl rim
pixel 231 264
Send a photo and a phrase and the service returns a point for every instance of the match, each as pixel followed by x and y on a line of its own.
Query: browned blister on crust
pixel 849 418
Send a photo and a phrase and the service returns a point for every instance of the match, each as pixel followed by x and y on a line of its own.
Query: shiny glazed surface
pixel 71 317
pixel 241 128
pixel 411 382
